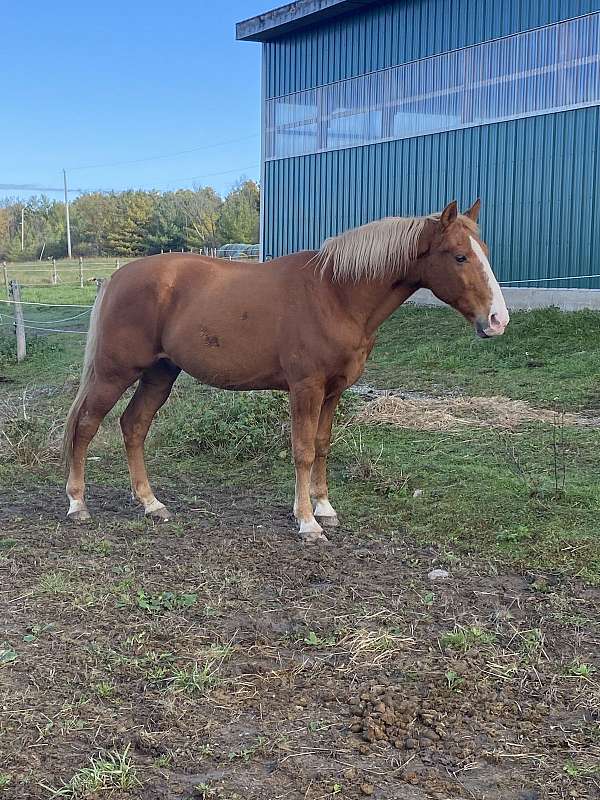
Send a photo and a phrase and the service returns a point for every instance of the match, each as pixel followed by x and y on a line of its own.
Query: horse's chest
pixel 356 359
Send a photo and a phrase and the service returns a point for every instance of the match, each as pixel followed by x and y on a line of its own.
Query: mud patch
pixel 236 663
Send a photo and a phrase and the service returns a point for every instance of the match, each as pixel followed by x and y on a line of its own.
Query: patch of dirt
pixel 235 662
pixel 455 412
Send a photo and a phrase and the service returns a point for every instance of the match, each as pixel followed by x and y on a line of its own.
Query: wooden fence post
pixel 54 275
pixel 15 294
pixel 81 272
pixel 5 271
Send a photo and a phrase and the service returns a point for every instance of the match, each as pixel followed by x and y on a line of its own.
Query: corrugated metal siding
pixel 401 31
pixel 539 180
pixel 552 68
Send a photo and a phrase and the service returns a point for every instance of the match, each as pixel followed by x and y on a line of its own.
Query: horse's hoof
pixel 159 515
pixel 329 522
pixel 314 538
pixel 82 515
pixel 311 532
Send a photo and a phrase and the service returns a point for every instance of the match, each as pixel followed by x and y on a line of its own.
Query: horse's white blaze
pixel 498 305
pixel 325 509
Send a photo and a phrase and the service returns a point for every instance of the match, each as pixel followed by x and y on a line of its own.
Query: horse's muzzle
pixel 493 326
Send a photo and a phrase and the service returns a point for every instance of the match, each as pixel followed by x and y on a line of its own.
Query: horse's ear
pixel 449 214
pixel 473 212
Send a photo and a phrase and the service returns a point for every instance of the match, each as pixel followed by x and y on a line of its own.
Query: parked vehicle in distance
pixel 238 251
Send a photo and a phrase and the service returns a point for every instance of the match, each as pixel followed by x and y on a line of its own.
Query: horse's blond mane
pixel 375 251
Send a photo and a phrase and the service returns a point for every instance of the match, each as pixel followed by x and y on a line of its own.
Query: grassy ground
pixel 548 357
pixel 67 270
pixel 530 496
pixel 217 658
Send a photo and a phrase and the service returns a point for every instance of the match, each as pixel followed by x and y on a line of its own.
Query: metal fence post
pixel 5 271
pixel 15 294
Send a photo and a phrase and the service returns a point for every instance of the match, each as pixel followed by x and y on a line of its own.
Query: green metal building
pixel 375 108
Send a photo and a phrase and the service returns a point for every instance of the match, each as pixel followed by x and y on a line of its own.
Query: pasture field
pixel 216 657
pixel 40 273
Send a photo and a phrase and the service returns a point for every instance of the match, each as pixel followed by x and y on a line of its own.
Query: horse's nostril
pixel 495 322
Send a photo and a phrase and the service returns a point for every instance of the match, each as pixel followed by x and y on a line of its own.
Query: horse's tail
pixel 87 375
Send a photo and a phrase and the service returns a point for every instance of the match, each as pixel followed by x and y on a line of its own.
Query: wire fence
pixel 42 325
pixel 81 272
pixel 66 273
pixel 17 315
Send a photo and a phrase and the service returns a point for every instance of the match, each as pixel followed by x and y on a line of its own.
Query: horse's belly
pixel 229 350
pixel 232 371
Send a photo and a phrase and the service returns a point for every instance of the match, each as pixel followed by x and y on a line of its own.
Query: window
pixel 544 70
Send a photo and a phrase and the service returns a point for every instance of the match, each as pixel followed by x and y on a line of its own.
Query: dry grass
pixel 375 647
pixel 30 433
pixel 448 413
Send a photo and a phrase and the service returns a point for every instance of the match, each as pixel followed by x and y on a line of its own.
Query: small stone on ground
pixel 438 575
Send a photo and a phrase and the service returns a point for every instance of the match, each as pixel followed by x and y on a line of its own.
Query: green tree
pixel 239 218
pixel 130 223
pixel 200 210
pixel 166 227
pixel 90 222
pixel 129 220
pixel 10 216
pixel 44 231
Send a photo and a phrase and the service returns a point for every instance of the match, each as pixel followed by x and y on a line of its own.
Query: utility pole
pixel 67 214
pixel 22 228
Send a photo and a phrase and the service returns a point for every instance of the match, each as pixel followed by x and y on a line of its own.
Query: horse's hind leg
pixel 325 513
pixel 101 396
pixel 152 392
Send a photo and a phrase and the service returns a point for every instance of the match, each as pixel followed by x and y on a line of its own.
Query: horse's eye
pixel 460 259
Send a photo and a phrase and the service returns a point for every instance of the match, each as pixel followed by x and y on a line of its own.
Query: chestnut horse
pixel 304 323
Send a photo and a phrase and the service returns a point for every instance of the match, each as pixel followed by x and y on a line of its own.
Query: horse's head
pixel 454 265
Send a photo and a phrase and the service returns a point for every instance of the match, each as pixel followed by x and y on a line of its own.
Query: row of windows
pixel 548 69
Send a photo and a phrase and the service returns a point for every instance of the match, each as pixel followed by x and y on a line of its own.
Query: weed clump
pixel 227 424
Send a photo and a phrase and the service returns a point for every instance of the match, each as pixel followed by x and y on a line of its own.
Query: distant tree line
pixel 130 223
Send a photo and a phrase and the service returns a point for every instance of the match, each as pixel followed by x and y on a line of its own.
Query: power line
pixel 167 155
pixel 32 187
pixel 186 179
pixel 208 175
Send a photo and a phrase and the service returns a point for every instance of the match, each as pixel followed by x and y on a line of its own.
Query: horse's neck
pixel 371 303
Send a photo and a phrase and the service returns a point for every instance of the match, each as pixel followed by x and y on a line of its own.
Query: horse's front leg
pixel 306 399
pixel 325 513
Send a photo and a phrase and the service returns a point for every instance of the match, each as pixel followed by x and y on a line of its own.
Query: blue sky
pixel 86 84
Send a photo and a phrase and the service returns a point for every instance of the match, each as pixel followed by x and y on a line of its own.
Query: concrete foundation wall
pixel 527 299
